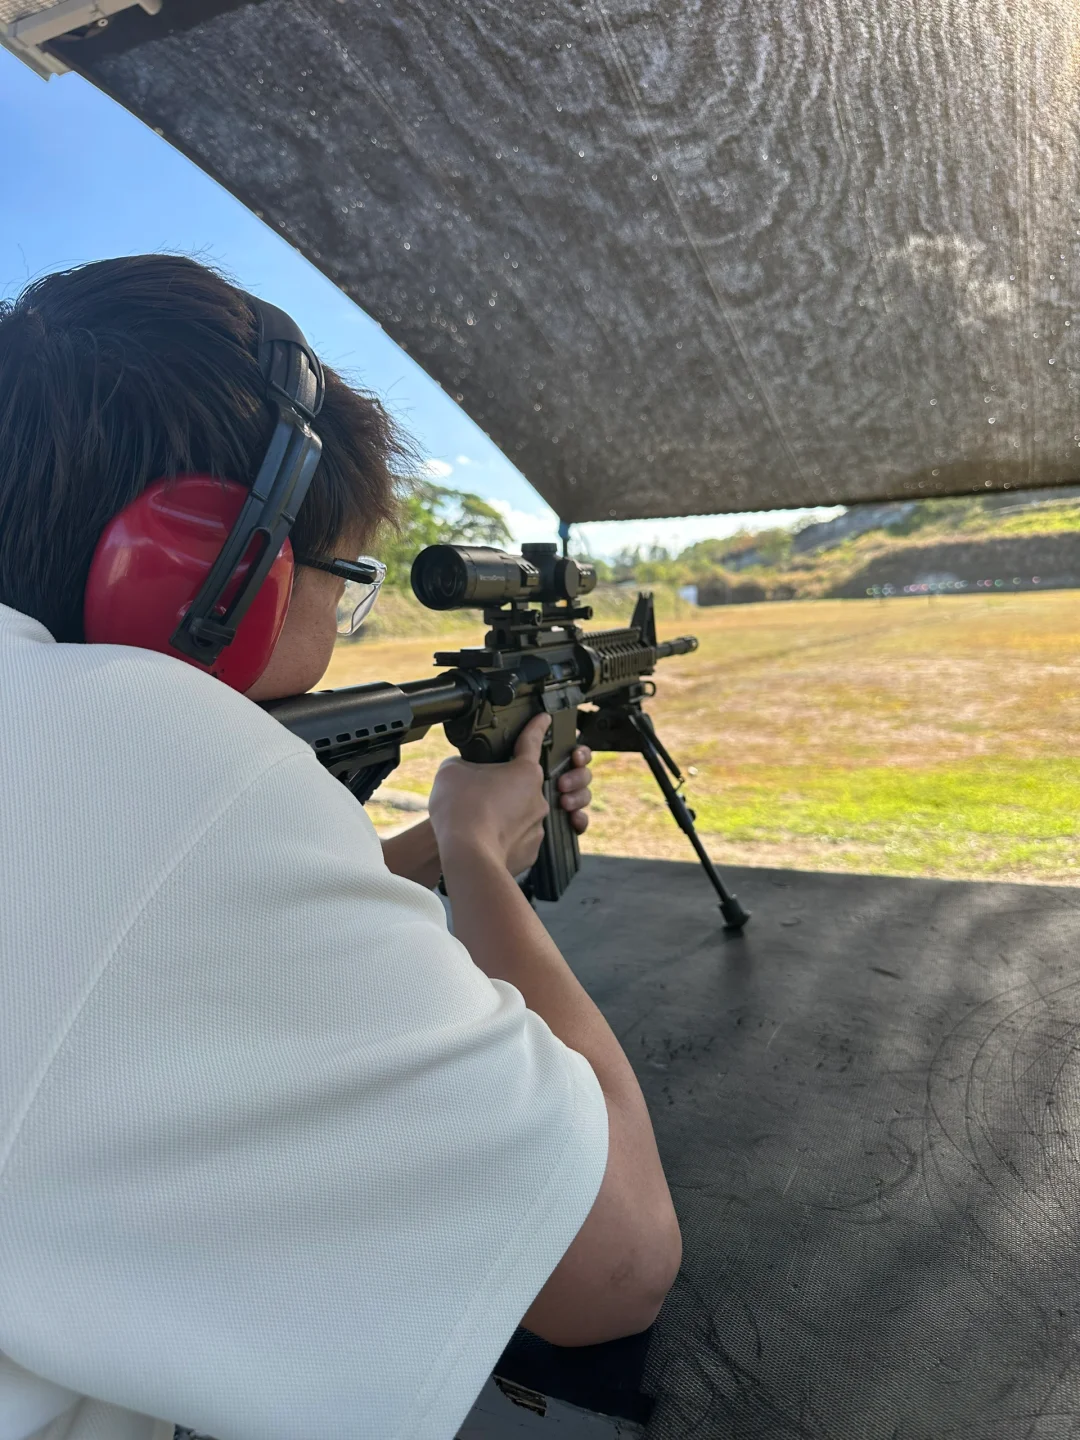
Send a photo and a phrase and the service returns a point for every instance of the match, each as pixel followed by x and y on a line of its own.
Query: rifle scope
pixel 449 577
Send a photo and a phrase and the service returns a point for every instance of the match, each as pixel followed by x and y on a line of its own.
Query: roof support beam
pixel 24 36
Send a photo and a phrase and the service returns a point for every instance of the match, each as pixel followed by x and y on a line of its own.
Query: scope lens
pixel 440 577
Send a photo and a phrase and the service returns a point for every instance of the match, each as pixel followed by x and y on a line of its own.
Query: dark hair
pixel 118 373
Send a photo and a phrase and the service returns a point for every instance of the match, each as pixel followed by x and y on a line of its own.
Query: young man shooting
pixel 280 1158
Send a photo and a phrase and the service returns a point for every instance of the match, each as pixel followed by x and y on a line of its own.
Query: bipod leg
pixel 735 917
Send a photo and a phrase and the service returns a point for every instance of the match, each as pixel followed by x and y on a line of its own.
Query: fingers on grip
pixel 531 740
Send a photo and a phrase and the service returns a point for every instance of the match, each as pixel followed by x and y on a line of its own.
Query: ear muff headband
pixel 294 381
pixel 200 568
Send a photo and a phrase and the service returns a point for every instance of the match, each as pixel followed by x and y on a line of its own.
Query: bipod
pixel 625 726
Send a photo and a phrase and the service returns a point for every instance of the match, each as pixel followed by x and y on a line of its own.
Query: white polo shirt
pixel 277 1160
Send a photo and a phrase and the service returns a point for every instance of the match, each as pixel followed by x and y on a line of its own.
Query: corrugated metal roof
pixel 675 258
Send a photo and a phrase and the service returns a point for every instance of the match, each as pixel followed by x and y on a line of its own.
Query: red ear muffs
pixel 150 563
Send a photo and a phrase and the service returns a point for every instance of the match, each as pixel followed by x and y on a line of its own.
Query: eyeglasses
pixel 363 577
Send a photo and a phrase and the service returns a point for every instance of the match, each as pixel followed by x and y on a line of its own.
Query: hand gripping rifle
pixel 533 660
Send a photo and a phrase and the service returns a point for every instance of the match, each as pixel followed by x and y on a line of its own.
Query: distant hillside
pixel 916 547
pixel 1017 562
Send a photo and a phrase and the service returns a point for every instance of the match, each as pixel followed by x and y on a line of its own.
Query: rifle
pixel 591 684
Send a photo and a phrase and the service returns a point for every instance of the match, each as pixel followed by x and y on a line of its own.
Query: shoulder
pixel 173 715
pixel 126 732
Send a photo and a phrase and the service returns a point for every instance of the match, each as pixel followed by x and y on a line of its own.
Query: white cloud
pixel 437 469
pixel 464 460
pixel 525 526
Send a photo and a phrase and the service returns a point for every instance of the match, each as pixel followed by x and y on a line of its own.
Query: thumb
pixel 531 740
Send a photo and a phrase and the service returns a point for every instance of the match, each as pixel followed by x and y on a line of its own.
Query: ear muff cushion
pixel 152 558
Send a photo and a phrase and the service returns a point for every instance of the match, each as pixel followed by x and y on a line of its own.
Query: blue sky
pixel 84 180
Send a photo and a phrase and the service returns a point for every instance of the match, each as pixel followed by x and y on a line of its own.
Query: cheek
pixel 322 631
pixel 329 633
pixel 313 623
pixel 313 654
pixel 313 608
pixel 326 615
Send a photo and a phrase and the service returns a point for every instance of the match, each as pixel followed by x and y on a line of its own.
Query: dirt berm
pixel 1048 560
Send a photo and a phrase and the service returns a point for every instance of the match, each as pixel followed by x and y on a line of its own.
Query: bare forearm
pixel 507 940
pixel 414 854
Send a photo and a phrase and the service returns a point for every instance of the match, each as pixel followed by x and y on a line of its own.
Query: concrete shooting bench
pixel 867 1108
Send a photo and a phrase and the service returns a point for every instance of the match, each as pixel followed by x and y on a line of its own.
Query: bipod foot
pixel 735 917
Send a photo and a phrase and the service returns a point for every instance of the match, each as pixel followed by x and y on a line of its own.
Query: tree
pixel 625 564
pixel 774 545
pixel 704 559
pixel 436 515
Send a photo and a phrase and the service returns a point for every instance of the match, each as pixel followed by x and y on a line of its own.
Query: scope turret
pixel 450 577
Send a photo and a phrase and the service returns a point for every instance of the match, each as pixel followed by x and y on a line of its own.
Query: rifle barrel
pixel 682 646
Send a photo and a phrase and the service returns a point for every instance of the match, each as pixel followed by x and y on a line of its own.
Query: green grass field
pixel 905 737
